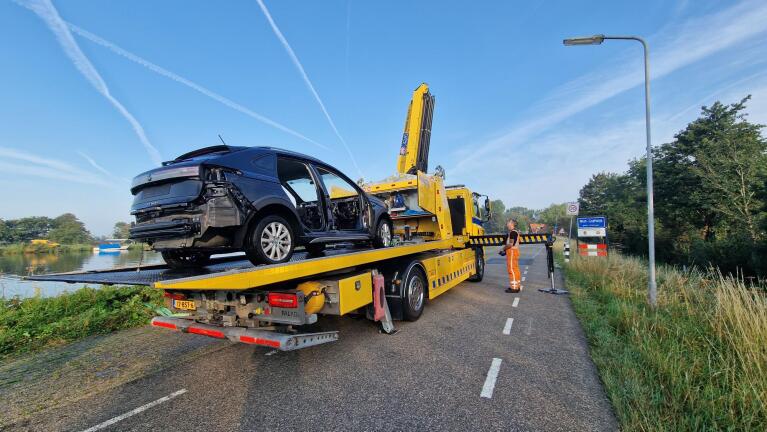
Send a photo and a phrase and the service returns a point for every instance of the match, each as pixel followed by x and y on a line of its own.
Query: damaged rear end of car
pixel 189 206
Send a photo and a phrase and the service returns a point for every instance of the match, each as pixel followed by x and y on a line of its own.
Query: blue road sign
pixel 592 222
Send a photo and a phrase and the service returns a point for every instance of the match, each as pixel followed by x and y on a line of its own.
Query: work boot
pixel 512 290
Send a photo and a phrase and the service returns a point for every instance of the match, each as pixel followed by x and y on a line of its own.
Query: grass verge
pixel 34 323
pixel 697 362
pixel 26 248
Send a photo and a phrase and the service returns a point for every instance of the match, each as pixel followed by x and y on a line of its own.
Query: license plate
pixel 184 304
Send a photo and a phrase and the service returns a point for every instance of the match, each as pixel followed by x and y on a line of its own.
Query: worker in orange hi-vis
pixel 511 250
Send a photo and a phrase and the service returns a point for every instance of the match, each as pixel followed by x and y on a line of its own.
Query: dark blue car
pixel 261 200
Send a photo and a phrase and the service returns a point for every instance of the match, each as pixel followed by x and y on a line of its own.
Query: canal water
pixel 14 267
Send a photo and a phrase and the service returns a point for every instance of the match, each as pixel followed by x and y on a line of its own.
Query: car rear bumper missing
pixel 181 228
pixel 266 338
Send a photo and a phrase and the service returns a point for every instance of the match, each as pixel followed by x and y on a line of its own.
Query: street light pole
pixel 652 287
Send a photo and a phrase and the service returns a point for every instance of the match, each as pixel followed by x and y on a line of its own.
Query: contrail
pixel 181 80
pixel 48 13
pixel 308 83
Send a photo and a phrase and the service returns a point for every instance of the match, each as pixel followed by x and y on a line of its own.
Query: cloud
pixel 101 169
pixel 37 166
pixel 48 13
pixel 306 79
pixel 181 80
pixel 682 44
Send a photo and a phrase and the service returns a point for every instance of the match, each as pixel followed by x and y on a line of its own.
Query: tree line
pixel 64 229
pixel 710 189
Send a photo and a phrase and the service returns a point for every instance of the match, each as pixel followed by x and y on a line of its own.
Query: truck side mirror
pixel 488 211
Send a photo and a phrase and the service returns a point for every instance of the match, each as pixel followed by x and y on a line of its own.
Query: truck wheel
pixel 414 294
pixel 271 241
pixel 315 249
pixel 479 265
pixel 383 234
pixel 183 260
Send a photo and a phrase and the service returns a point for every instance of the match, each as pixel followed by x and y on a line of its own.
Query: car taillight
pixel 174 296
pixel 283 300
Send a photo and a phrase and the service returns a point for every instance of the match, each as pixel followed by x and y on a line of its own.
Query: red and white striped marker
pixel 599 249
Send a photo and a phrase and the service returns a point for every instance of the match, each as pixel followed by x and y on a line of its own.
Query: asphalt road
pixel 436 373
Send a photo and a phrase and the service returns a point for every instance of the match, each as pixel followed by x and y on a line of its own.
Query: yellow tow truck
pixel 440 242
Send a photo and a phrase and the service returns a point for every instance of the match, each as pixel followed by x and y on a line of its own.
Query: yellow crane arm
pixel 414 151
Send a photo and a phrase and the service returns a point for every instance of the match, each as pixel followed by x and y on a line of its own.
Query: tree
pixel 121 230
pixel 69 230
pixel 732 163
pixel 29 228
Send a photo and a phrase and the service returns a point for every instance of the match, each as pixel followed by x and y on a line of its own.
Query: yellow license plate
pixel 184 304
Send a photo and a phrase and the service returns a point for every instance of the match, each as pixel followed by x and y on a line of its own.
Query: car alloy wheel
pixel 275 241
pixel 383 234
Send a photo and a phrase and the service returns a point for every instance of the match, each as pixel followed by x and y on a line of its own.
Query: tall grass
pixel 33 323
pixel 697 362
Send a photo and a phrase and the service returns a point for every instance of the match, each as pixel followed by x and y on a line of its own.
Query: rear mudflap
pixel 267 338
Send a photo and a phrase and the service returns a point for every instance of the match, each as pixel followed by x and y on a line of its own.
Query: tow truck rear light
pixel 207 332
pixel 283 300
pixel 174 296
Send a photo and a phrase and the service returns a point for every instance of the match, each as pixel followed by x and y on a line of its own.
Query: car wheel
pixel 271 241
pixel 414 294
pixel 315 248
pixel 479 265
pixel 182 259
pixel 383 236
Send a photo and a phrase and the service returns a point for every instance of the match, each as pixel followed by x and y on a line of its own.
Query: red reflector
pixel 164 324
pixel 174 296
pixel 206 332
pixel 283 300
pixel 260 341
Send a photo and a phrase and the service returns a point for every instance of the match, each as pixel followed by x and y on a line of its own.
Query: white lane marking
pixel 525 271
pixel 527 267
pixel 516 302
pixel 523 278
pixel 271 352
pixel 536 254
pixel 492 375
pixel 507 327
pixel 135 411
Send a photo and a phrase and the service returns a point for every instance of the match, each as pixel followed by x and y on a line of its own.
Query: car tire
pixel 315 249
pixel 414 294
pixel 270 241
pixel 383 237
pixel 479 265
pixel 183 259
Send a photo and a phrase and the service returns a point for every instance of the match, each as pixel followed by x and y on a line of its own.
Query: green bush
pixel 34 323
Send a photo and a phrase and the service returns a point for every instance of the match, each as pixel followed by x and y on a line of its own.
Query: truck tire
pixel 479 265
pixel 414 293
pixel 383 236
pixel 179 259
pixel 270 241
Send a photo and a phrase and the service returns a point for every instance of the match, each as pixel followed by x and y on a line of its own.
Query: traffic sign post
pixel 593 226
pixel 572 210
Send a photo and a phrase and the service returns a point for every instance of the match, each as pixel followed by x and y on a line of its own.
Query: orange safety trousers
pixel 512 266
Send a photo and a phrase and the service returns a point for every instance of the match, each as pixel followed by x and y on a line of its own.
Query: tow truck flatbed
pixel 237 273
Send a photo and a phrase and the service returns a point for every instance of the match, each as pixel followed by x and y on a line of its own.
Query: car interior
pixel 297 181
pixel 345 202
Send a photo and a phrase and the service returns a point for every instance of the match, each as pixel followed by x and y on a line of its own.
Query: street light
pixel 597 40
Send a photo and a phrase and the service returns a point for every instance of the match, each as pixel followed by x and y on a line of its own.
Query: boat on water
pixel 110 247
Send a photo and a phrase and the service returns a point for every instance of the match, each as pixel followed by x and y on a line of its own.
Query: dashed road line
pixel 523 278
pixel 492 375
pixel 142 408
pixel 272 352
pixel 507 327
pixel 516 302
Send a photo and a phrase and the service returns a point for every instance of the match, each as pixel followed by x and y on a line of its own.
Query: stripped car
pixel 260 200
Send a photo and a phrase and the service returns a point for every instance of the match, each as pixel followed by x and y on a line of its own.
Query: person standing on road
pixel 511 250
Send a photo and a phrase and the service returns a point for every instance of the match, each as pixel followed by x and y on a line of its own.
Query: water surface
pixel 13 267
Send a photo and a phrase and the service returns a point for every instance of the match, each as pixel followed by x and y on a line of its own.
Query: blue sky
pixel 95 92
